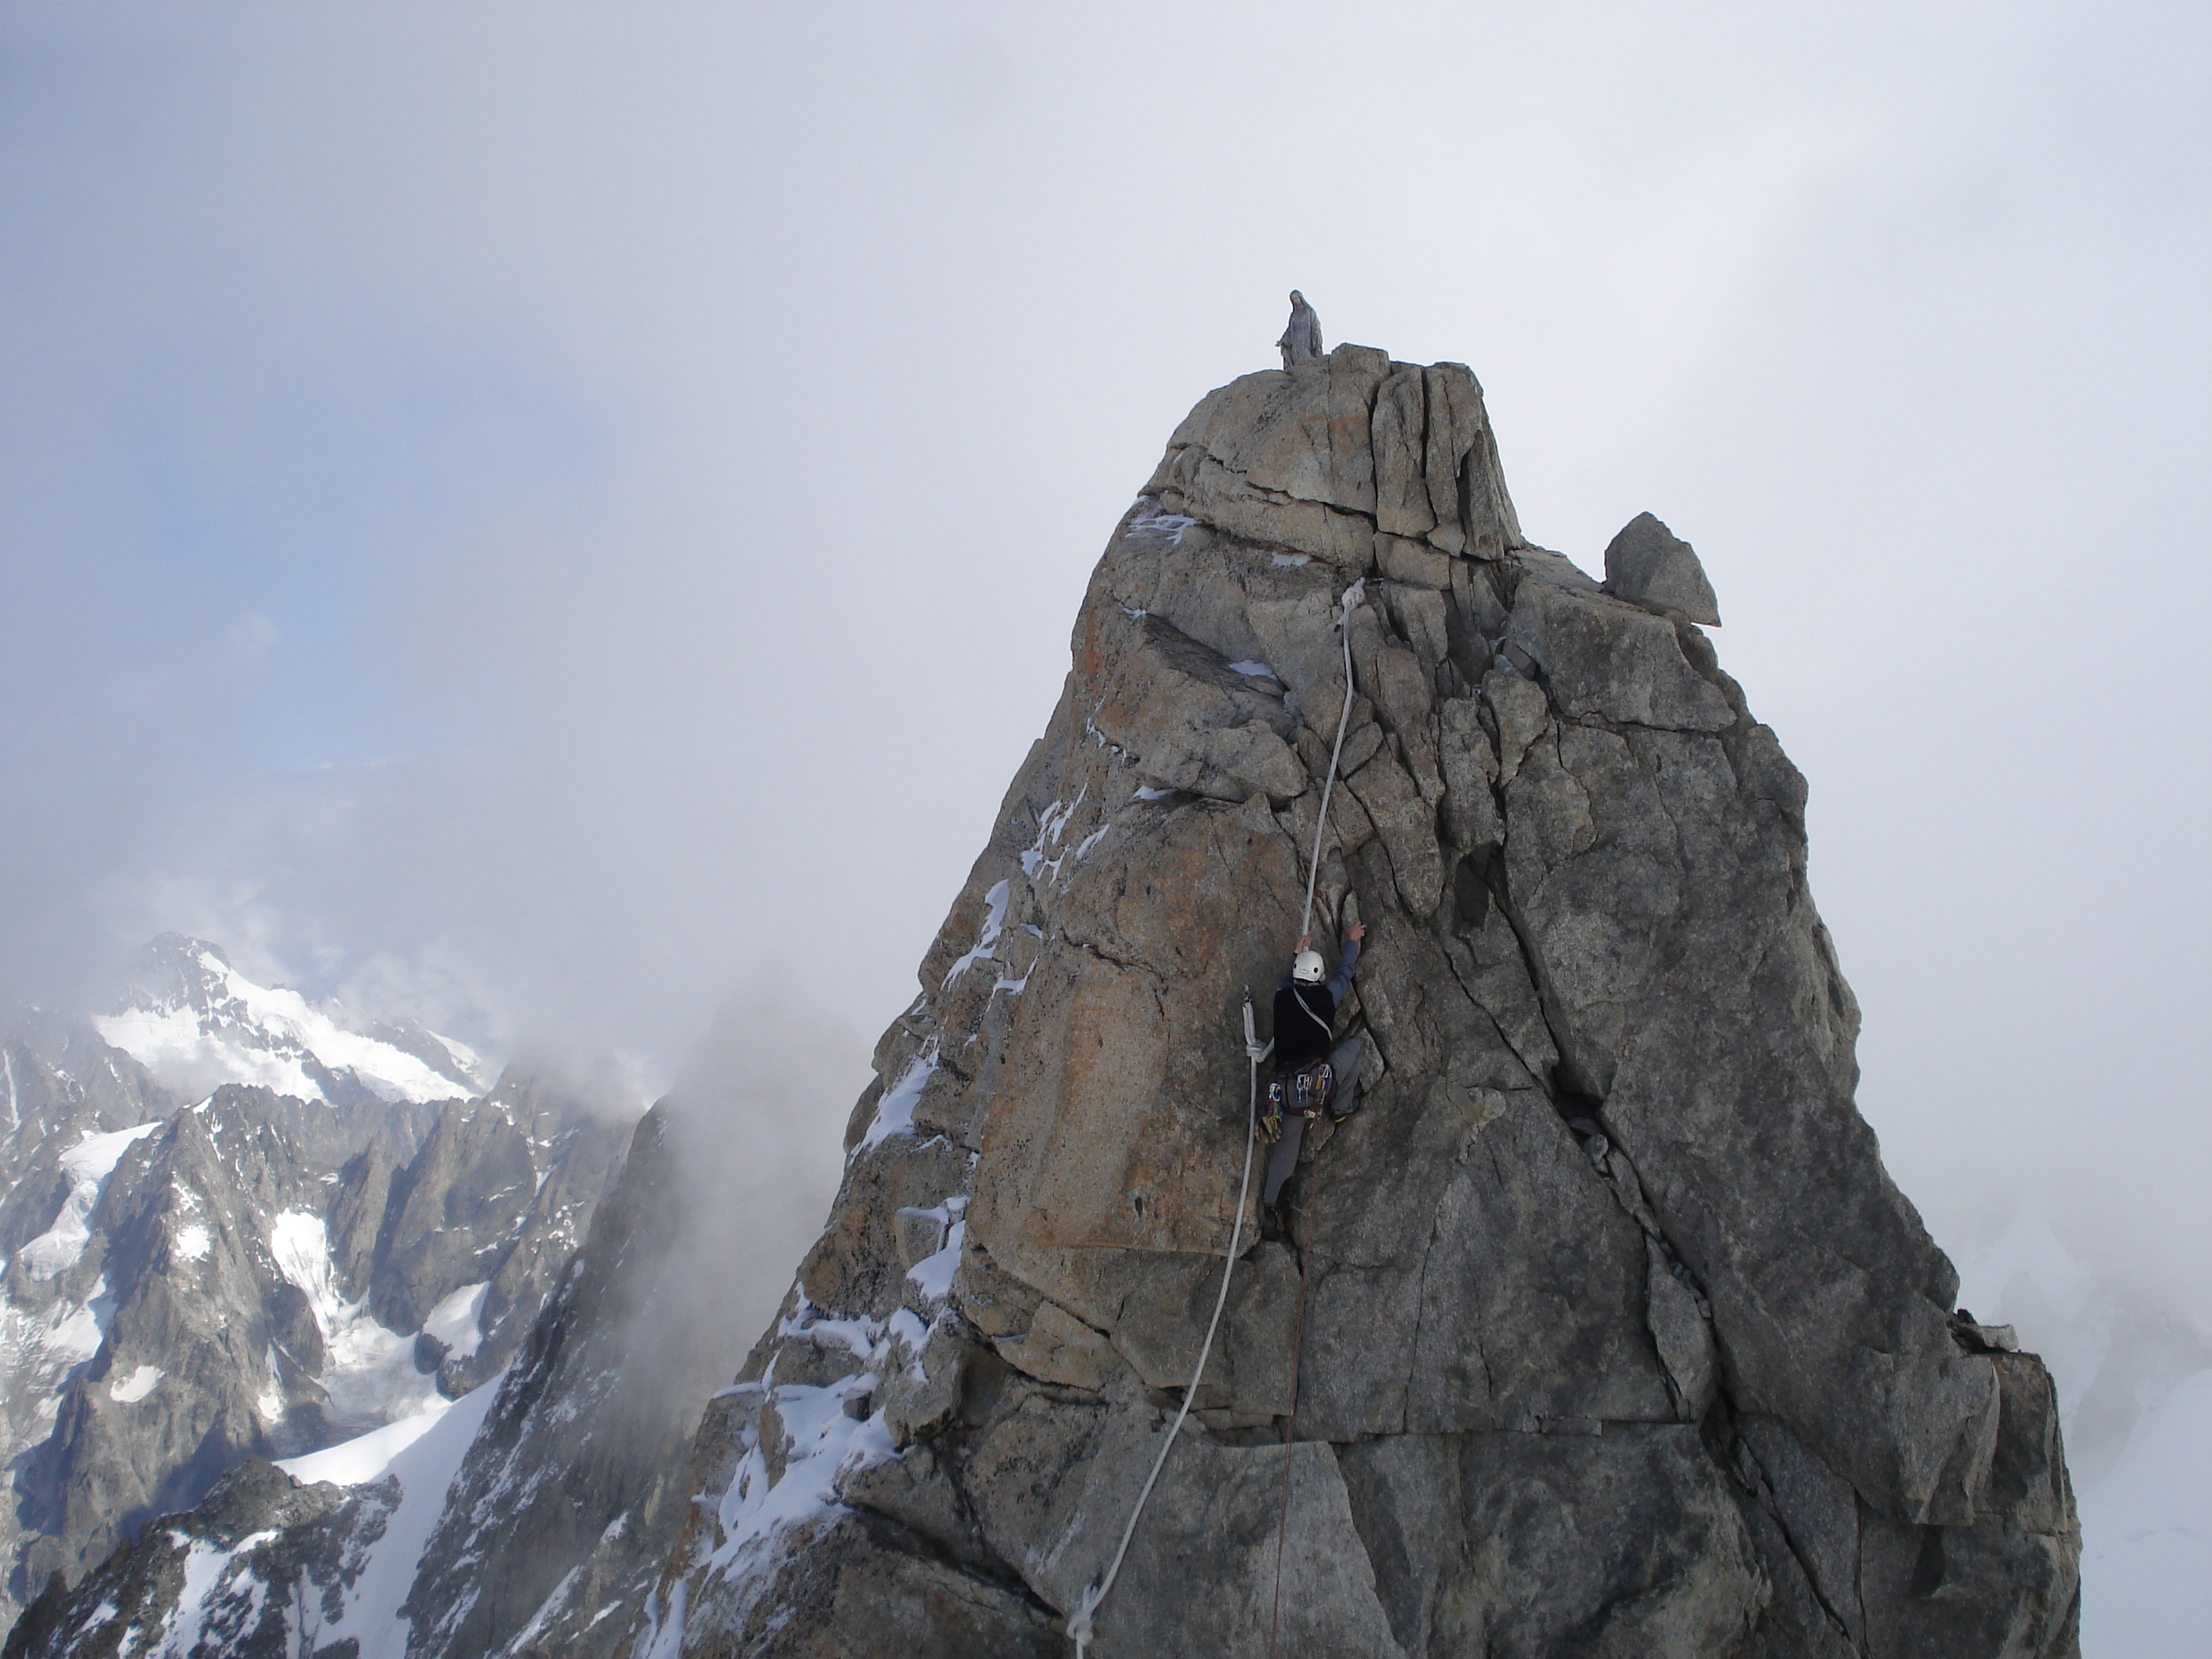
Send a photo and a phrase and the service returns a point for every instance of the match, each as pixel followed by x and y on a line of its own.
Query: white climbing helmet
pixel 1309 969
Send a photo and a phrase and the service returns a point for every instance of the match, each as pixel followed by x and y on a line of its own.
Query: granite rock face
pixel 256 1572
pixel 1613 1337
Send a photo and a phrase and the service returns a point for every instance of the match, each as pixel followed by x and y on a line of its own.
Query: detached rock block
pixel 1648 564
pixel 1061 1348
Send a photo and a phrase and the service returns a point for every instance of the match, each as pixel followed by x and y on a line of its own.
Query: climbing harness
pixel 1083 1622
pixel 1305 1091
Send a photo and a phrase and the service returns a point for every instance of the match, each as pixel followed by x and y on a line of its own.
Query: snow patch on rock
pixel 211 1571
pixel 87 1167
pixel 933 1275
pixel 987 941
pixel 76 1329
pixel 369 1372
pixel 895 1111
pixel 824 1439
pixel 135 1387
pixel 212 1026
pixel 42 1351
pixel 458 1321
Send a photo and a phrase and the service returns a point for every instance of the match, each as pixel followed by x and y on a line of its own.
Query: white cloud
pixel 635 428
pixel 252 635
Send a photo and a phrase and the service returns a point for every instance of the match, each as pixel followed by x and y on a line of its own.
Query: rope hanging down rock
pixel 1352 595
pixel 1079 1625
pixel 1083 1622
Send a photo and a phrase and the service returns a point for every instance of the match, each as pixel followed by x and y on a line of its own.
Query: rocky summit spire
pixel 1611 1334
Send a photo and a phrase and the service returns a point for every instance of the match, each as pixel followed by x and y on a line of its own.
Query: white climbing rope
pixel 1352 595
pixel 1081 1623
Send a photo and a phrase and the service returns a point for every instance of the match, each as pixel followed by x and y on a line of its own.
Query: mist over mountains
pixel 415 1358
pixel 195 1022
pixel 436 568
pixel 238 1224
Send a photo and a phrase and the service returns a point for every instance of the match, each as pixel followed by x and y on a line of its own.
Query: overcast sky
pixel 548 517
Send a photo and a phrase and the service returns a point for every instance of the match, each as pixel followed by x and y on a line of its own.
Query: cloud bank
pixel 539 527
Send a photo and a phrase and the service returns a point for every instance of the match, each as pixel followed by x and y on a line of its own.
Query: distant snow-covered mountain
pixel 235 1224
pixel 195 1023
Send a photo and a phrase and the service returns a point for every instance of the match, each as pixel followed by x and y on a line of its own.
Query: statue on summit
pixel 1301 341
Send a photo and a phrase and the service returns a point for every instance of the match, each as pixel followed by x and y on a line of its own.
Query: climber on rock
pixel 1314 1073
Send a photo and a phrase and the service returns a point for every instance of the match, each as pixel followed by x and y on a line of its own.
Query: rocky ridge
pixel 558 1521
pixel 62 1083
pixel 534 1515
pixel 184 1289
pixel 1615 1336
pixel 257 1571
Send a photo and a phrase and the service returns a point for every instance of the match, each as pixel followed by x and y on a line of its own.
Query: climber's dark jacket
pixel 1303 1013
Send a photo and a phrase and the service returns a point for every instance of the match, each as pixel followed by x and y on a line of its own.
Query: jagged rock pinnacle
pixel 1617 1338
pixel 1599 1330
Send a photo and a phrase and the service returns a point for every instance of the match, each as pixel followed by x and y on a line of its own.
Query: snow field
pixel 368 1371
pixel 87 1167
pixel 424 1454
pixel 268 1041
pixel 130 1390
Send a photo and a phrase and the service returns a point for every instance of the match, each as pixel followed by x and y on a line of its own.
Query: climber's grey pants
pixel 1343 1061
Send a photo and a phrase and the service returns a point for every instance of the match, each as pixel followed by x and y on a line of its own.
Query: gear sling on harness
pixel 1082 1623
pixel 1305 1091
pixel 1305 1088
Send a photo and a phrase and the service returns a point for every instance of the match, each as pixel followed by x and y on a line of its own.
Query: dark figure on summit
pixel 1313 1071
pixel 1302 339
